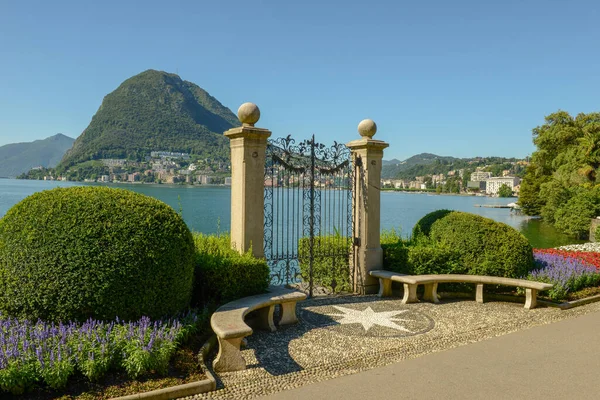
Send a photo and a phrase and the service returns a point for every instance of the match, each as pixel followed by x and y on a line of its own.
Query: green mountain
pixel 431 164
pixel 154 111
pixel 18 158
pixel 404 169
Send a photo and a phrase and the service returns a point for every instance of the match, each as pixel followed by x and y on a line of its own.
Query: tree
pixel 561 182
pixel 505 191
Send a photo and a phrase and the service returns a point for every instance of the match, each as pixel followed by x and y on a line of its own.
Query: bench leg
pixel 530 298
pixel 410 294
pixel 479 293
pixel 430 293
pixel 288 313
pixel 229 357
pixel 385 287
pixel 265 318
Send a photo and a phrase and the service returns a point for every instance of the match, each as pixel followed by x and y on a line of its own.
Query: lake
pixel 206 208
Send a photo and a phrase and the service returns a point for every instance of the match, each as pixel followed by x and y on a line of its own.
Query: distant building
pixel 480 176
pixel 476 185
pixel 114 162
pixel 492 185
pixel 135 177
pixel 169 154
pixel 228 181
pixel 206 180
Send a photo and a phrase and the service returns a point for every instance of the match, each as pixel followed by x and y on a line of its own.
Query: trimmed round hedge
pixel 485 247
pixel 94 252
pixel 423 226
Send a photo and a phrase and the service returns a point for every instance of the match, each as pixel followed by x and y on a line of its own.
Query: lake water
pixel 206 208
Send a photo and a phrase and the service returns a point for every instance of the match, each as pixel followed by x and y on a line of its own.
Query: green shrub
pixel 93 252
pixel 486 247
pixel 432 259
pixel 222 274
pixel 423 226
pixel 574 217
pixel 395 251
pixel 395 257
pixel 331 262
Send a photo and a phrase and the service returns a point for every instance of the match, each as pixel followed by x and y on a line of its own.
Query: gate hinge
pixel 357 241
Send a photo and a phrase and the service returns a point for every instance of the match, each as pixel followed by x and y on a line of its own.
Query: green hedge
pixel 486 247
pixel 432 259
pixel 94 252
pixel 222 274
pixel 331 262
pixel 423 226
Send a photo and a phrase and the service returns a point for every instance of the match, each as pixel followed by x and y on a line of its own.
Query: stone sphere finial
pixel 367 128
pixel 248 114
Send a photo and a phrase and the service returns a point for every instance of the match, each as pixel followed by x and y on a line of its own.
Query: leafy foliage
pixel 331 266
pixel 423 226
pixel 154 111
pixel 94 252
pixel 564 165
pixel 222 274
pixel 574 216
pixel 486 247
pixel 505 191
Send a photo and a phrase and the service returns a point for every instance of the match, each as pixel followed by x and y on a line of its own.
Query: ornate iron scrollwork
pixel 308 197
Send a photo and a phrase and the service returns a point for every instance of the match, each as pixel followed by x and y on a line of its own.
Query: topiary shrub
pixel 331 262
pixel 486 247
pixel 423 226
pixel 432 259
pixel 223 274
pixel 93 252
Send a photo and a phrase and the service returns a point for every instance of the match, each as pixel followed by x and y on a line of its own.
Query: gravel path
pixel 341 336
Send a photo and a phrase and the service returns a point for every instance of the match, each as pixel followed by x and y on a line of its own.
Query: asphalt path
pixel 554 361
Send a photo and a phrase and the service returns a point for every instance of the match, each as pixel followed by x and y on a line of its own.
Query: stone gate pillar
pixel 367 152
pixel 248 146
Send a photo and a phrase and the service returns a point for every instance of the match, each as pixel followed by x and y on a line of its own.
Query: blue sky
pixel 459 78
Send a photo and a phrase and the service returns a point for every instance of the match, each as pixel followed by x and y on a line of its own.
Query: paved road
pixel 554 361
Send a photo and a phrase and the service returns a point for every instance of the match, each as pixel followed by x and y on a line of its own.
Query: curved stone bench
pixel 431 283
pixel 229 325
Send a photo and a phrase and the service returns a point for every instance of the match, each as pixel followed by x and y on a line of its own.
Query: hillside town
pixel 479 181
pixel 160 167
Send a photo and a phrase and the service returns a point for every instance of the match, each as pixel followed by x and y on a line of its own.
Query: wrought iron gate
pixel 309 227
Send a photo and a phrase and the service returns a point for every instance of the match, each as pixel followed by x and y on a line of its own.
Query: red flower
pixel 586 256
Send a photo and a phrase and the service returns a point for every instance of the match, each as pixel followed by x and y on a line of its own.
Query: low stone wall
pixel 593 226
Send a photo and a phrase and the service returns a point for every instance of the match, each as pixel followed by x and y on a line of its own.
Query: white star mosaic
pixel 369 318
pixel 363 316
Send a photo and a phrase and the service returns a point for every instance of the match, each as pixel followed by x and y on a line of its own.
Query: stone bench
pixel 431 283
pixel 229 325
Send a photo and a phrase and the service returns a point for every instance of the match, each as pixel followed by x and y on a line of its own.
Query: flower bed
pixel 588 257
pixel 33 353
pixel 569 271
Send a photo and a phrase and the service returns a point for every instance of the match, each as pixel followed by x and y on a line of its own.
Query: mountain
pixel 393 161
pixel 154 111
pixel 432 164
pixel 18 158
pixel 392 168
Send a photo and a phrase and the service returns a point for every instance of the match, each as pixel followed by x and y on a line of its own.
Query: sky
pixel 459 78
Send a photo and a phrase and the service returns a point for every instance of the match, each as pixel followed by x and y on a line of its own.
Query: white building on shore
pixel 492 185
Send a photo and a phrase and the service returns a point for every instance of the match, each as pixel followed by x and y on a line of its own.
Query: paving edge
pixel 188 389
pixel 516 299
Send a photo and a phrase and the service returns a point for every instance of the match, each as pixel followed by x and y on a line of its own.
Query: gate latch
pixel 357 241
